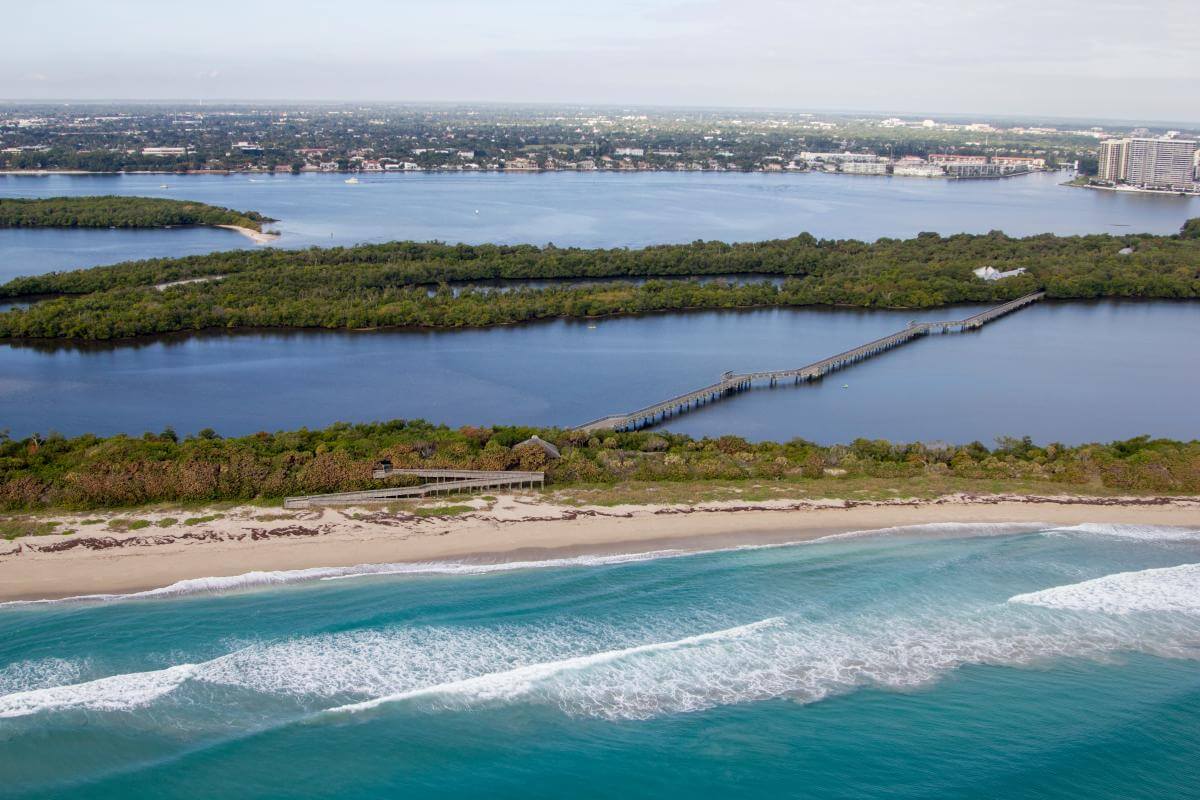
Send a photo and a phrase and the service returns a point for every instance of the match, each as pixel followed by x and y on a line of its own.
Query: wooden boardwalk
pixel 437 481
pixel 733 382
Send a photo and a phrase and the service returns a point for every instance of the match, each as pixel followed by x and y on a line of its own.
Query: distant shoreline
pixel 235 542
pixel 1131 189
pixel 494 171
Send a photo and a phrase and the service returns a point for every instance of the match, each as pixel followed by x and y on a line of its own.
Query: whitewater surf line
pixel 260 579
pixel 513 682
pixel 1159 589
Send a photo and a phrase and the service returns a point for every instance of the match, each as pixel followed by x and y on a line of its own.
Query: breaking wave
pixel 1150 533
pixel 1163 589
pixel 264 579
pixel 650 667
pixel 114 693
pixel 515 682
pixel 268 579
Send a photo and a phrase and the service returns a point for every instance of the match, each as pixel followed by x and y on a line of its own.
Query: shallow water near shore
pixel 947 661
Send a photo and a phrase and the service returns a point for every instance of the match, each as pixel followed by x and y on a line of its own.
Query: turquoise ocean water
pixel 951 661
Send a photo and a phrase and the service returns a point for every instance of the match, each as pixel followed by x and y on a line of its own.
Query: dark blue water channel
pixel 1055 371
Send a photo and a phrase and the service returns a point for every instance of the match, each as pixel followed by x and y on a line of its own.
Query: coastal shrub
pixel 122 471
pixel 201 520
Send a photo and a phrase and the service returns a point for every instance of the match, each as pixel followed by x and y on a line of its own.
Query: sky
pixel 1132 59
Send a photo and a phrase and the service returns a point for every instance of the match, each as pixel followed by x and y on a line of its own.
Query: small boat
pixel 845 386
pixel 477 211
pixel 351 180
pixel 592 327
pixel 164 186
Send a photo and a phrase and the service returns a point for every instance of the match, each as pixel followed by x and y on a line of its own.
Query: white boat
pixel 163 186
pixel 845 386
pixel 351 180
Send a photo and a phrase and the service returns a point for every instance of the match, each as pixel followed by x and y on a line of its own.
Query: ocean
pixel 949 661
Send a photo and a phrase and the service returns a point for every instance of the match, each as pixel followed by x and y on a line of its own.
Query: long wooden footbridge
pixel 734 382
pixel 436 481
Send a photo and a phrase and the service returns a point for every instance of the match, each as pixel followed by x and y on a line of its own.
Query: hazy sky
pixel 1093 58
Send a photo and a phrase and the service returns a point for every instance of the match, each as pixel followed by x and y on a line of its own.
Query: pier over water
pixel 732 383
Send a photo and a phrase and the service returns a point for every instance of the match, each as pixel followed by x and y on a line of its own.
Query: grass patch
pixel 166 522
pixel 442 511
pixel 91 522
pixel 202 520
pixel 926 487
pixel 128 524
pixel 12 528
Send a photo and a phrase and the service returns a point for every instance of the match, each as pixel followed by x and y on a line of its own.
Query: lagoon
pixel 1068 372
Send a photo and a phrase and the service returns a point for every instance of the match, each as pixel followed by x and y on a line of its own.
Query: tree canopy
pixel 410 284
pixel 111 211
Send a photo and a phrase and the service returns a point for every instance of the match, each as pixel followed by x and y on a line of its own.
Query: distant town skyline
pixel 1062 58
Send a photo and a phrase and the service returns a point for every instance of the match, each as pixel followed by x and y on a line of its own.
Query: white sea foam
pixel 38 674
pixel 467 568
pixel 1152 533
pixel 638 668
pixel 114 693
pixel 1165 589
pixel 512 683
pixel 267 579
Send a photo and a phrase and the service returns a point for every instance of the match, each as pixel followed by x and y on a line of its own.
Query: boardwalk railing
pixel 732 383
pixel 438 481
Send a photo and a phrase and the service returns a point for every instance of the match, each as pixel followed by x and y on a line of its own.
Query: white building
pixel 164 151
pixel 993 274
pixel 839 158
pixel 637 152
pixel 865 167
pixel 1149 163
pixel 918 171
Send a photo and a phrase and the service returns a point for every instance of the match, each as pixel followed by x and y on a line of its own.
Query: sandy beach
pixel 258 237
pixel 100 558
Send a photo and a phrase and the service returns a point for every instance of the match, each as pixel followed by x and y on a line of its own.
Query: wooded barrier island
pixel 85 472
pixel 410 284
pixel 112 211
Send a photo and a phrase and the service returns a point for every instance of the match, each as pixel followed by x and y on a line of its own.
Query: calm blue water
pixel 1058 372
pixel 895 666
pixel 589 210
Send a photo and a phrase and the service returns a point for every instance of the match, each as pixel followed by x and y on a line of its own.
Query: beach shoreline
pixel 258 237
pixel 233 542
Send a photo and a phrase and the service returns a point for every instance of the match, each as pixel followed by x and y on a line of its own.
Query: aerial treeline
pixel 111 211
pixel 99 160
pixel 389 285
pixel 95 472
